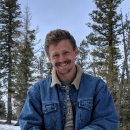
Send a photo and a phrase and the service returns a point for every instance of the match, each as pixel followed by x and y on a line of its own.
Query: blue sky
pixel 70 15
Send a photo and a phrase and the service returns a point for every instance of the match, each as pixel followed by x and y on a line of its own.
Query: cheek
pixel 72 57
pixel 53 61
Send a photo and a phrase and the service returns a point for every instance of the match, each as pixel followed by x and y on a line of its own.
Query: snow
pixel 9 127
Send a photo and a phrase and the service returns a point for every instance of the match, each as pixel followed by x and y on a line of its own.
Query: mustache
pixel 66 61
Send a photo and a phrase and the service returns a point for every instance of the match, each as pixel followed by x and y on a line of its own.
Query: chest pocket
pixel 86 103
pixel 50 110
pixel 85 110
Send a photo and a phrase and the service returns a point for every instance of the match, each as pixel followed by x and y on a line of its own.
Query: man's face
pixel 62 57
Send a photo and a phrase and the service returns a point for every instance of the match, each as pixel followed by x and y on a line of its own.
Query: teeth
pixel 63 64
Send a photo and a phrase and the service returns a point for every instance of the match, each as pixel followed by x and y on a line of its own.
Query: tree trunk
pixel 9 114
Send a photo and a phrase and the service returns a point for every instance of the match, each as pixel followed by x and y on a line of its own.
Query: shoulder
pixel 91 78
pixel 92 81
pixel 41 84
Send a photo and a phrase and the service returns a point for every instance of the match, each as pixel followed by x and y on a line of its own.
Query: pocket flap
pixel 86 103
pixel 49 107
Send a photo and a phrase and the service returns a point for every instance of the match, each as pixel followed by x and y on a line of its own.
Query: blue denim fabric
pixel 93 106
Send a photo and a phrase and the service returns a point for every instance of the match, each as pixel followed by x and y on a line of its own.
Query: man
pixel 69 99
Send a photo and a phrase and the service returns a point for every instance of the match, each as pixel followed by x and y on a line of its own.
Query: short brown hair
pixel 55 36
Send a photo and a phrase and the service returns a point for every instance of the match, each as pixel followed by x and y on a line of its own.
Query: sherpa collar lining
pixel 76 81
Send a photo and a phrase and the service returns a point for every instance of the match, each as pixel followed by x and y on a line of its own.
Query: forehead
pixel 60 46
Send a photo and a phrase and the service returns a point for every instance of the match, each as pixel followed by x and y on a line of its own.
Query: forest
pixel 104 53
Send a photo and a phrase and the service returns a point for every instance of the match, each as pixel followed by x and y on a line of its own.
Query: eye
pixel 66 52
pixel 56 55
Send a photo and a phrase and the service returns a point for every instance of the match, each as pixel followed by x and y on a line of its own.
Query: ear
pixel 48 56
pixel 76 51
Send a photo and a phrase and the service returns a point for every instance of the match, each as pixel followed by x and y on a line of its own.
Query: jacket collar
pixel 76 81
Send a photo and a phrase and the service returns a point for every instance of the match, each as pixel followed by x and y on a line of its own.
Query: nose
pixel 61 58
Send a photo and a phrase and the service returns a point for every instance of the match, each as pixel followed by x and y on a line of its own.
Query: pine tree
pixel 124 97
pixel 83 59
pixel 25 69
pixel 126 45
pixel 44 67
pixel 9 32
pixel 105 40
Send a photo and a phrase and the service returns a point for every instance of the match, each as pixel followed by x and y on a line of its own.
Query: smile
pixel 61 65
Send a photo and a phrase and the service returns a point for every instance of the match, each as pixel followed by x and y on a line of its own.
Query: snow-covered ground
pixel 8 127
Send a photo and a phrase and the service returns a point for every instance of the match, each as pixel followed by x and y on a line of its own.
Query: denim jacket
pixel 93 106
